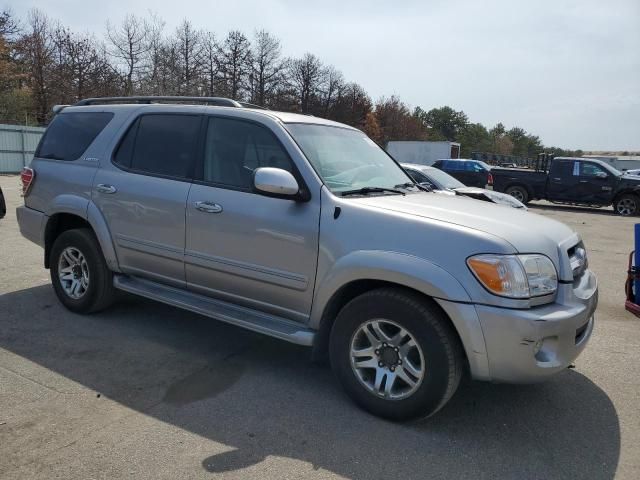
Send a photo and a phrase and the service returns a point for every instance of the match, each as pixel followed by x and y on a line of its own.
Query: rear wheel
pixel 79 274
pixel 519 193
pixel 396 354
pixel 627 205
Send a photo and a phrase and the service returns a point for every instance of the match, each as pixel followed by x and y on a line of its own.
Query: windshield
pixel 611 169
pixel 442 179
pixel 347 159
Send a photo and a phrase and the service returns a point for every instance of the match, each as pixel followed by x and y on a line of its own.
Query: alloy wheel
pixel 387 359
pixel 626 206
pixel 73 272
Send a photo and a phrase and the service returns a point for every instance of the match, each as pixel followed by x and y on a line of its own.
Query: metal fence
pixel 17 145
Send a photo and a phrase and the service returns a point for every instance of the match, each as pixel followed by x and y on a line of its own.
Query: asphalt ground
pixel 144 390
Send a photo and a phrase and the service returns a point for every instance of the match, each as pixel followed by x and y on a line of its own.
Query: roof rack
pixel 217 101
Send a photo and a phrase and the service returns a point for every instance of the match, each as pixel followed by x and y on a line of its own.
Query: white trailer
pixel 423 153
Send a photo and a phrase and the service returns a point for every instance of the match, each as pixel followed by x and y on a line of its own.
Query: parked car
pixel 304 229
pixel 635 172
pixel 3 205
pixel 442 182
pixel 472 173
pixel 574 181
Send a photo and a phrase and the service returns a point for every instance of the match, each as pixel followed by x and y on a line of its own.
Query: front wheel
pixel 627 205
pixel 396 354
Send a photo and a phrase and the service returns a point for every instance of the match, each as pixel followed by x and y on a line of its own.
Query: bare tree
pixel 82 67
pixel 189 45
pixel 36 50
pixel 234 64
pixel 152 81
pixel 267 67
pixel 352 105
pixel 209 63
pixel 306 76
pixel 129 44
pixel 332 86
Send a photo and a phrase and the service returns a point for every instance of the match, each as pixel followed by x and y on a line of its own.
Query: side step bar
pixel 241 316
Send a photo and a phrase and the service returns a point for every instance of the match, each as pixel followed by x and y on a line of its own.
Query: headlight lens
pixel 515 276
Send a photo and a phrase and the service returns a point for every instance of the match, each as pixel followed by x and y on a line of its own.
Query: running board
pixel 241 316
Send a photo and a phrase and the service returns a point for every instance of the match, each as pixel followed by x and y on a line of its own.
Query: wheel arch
pixel 66 219
pixel 424 279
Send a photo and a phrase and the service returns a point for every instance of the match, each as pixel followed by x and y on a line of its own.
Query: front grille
pixel 578 260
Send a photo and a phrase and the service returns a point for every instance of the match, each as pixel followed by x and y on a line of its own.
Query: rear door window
pixel 164 145
pixel 70 134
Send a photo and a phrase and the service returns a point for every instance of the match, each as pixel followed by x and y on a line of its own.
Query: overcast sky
pixel 568 71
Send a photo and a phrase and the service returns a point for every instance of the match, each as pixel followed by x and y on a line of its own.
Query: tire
pixel 94 289
pixel 437 351
pixel 627 205
pixel 519 193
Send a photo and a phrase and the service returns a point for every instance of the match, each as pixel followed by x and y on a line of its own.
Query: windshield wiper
pixel 367 190
pixel 417 185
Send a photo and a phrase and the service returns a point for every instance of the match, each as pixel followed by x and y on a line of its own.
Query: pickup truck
pixel 573 181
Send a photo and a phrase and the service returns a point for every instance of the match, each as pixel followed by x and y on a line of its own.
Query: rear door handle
pixel 208 207
pixel 103 188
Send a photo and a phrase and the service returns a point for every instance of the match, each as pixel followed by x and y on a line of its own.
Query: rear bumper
pixel 31 223
pixel 526 346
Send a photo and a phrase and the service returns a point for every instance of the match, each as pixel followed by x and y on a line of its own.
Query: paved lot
pixel 147 391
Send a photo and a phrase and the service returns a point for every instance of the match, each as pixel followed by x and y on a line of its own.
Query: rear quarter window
pixel 70 134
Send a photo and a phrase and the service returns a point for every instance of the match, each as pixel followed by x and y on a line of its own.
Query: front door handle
pixel 103 188
pixel 208 207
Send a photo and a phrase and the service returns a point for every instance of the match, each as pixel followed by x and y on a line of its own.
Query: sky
pixel 568 71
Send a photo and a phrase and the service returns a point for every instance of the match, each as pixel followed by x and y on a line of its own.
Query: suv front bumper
pixel 526 346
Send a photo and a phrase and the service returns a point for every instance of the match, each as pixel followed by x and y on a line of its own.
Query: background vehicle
pixel 422 153
pixel 443 182
pixel 3 205
pixel 305 230
pixel 573 181
pixel 472 173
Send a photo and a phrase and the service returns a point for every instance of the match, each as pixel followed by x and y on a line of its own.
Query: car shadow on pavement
pixel 260 397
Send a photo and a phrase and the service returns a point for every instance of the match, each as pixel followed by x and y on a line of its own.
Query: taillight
pixel 490 180
pixel 26 177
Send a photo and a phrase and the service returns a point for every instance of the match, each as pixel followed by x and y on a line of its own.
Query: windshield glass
pixel 442 179
pixel 611 169
pixel 347 159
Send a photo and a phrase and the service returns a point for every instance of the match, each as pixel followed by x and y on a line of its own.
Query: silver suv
pixel 304 229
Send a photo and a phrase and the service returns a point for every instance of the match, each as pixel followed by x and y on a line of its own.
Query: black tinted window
pixel 125 149
pixel 164 145
pixel 235 148
pixel 562 169
pixel 70 134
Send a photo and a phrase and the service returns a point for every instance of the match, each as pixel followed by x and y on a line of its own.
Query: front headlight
pixel 515 276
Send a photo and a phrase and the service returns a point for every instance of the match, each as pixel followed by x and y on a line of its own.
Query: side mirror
pixel 601 175
pixel 276 182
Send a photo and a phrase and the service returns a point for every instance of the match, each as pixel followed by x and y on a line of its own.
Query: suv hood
pixel 525 231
